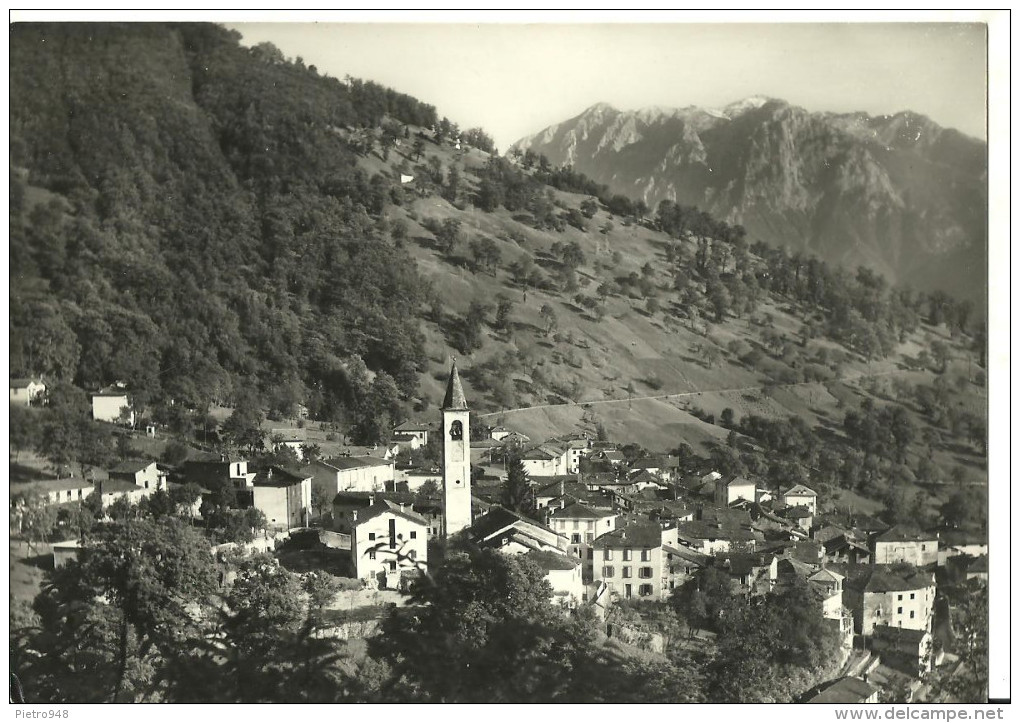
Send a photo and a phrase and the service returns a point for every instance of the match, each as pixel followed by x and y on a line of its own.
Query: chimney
pixel 401 506
pixel 562 488
pixel 623 535
pixel 354 515
pixel 371 500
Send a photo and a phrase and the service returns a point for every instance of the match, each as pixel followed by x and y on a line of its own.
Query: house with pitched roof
pixel 896 596
pixel 545 460
pixel 581 524
pixel 389 543
pixel 681 564
pixel 904 543
pixel 141 473
pixel 515 534
pixel 733 487
pixel 283 495
pixel 563 573
pixel 416 431
pixel 630 561
pixel 752 573
pixel 847 691
pixel 907 649
pixel 112 405
pixel 361 473
pixel 800 496
pixel 25 391
pixel 62 491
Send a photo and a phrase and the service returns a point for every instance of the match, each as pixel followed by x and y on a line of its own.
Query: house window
pixel 626 591
pixel 626 571
pixel 589 537
pixel 371 536
pixel 645 572
pixel 899 597
pixel 393 565
pixel 591 554
pixel 899 611
pixel 413 554
pixel 911 596
pixel 626 554
pixel 607 554
pixel 923 548
pixel 371 554
pixel 589 525
pixel 608 571
pixel 414 535
pixel 577 524
pixel 645 590
pixel 911 614
pixel 575 539
pixel 646 555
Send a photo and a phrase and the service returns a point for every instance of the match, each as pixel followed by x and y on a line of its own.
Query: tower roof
pixel 454 391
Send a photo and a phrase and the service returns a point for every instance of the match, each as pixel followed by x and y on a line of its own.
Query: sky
pixel 516 79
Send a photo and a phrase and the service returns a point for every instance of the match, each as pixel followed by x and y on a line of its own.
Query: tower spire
pixel 454 391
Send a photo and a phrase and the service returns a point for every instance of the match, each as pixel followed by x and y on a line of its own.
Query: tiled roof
pixel 637 534
pixel 112 486
pixel 845 690
pixel 735 480
pixel 800 490
pixel 386 506
pixel 906 533
pixel 23 383
pixel 276 476
pixel 410 426
pixel 580 511
pixel 358 462
pixel 548 560
pixel 890 632
pixel 499 518
pixel 700 530
pixel 882 578
pixel 132 466
pixel 543 451
pixel 59 485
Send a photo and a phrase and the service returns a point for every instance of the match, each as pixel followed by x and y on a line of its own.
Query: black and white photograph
pixel 567 358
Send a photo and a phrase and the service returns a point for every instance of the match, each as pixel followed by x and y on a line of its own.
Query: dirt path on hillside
pixel 676 395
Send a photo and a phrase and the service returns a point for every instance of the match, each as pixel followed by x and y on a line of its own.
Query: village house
pixel 499 432
pixel 732 488
pixel 545 460
pixel 287 439
pixel 563 488
pixel 800 516
pixel 663 467
pixel 283 496
pixel 415 477
pixel 413 430
pixel 140 473
pixel 25 391
pixel 847 691
pixel 64 552
pixel 905 544
pixel 575 446
pixel 365 474
pixel 907 649
pixel 218 470
pixel 564 575
pixel 630 561
pixel 751 573
pixel 953 542
pixel 977 569
pixel 581 524
pixel 613 457
pixel 112 490
pixel 882 595
pixel 514 534
pixel 389 543
pixel 61 491
pixel 800 496
pixel 681 564
pixel 112 405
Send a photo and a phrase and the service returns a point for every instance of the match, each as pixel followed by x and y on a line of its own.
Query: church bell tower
pixel 456 457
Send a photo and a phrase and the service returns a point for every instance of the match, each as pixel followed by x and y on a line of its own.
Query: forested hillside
pixel 187 218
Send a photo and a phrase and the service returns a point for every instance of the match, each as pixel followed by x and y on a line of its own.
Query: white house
pixel 59 491
pixel 388 540
pixel 113 489
pixel 800 496
pixel 141 473
pixel 563 573
pixel 23 391
pixel 545 460
pixel 417 430
pixel 363 474
pixel 283 496
pixel 109 404
pixel 732 488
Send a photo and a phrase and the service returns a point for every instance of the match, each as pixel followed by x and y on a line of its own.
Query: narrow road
pixel 677 395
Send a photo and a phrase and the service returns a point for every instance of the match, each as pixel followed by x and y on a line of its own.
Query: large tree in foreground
pixel 517 494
